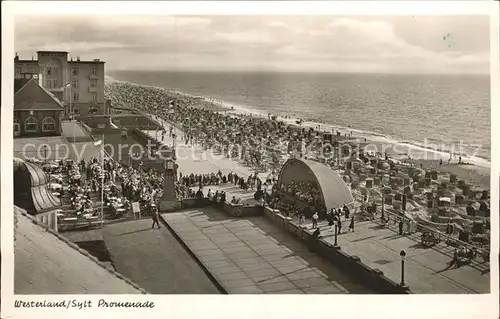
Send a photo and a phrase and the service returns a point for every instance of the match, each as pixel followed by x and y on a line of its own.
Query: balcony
pixel 59 89
pixel 93 89
pixel 93 76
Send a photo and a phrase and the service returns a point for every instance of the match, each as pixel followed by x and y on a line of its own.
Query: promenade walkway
pixel 194 159
pixel 426 269
pixel 74 133
pixel 252 256
pixel 152 258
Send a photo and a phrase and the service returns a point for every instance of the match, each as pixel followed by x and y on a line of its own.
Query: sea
pixel 444 112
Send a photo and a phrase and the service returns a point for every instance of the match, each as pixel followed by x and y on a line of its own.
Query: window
pixel 18 70
pixel 76 110
pixel 17 127
pixel 93 110
pixel 76 96
pixel 49 70
pixel 31 124
pixel 74 84
pixel 52 84
pixel 48 124
pixel 93 83
pixel 94 71
pixel 94 97
pixel 74 71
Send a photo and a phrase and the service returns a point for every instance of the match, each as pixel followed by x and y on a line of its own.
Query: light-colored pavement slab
pixel 425 268
pixel 154 259
pixel 251 256
pixel 56 148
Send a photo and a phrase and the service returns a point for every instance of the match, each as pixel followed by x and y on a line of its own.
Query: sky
pixel 366 44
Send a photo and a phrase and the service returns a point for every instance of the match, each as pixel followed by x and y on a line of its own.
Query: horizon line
pixel 300 72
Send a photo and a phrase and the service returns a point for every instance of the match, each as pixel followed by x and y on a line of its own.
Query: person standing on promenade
pixel 351 225
pixel 155 218
pixel 339 223
pixel 346 212
pixel 454 260
pixel 315 220
pixel 330 219
pixel 400 227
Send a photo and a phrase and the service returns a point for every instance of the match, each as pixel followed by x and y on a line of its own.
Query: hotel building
pixel 78 84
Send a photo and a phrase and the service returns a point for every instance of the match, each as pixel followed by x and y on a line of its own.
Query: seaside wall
pixel 96 122
pixel 234 210
pixel 87 130
pixel 144 138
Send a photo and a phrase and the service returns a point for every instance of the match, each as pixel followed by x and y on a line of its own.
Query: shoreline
pixel 474 169
pixel 404 146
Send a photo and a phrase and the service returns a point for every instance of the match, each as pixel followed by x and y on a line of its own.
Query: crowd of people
pixel 258 142
pixel 307 192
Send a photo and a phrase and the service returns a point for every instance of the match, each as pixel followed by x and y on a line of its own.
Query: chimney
pixel 77 59
pixel 16 58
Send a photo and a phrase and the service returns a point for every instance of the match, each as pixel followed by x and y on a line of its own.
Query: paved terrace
pixel 152 258
pixel 74 132
pixel 57 148
pixel 426 269
pixel 252 256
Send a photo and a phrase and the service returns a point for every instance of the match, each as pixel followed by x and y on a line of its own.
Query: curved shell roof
pixel 29 178
pixel 334 190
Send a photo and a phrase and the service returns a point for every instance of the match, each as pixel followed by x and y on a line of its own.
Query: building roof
pixel 32 96
pixel 48 263
pixel 51 51
pixel 19 83
pixel 334 190
pixel 88 62
pixel 27 61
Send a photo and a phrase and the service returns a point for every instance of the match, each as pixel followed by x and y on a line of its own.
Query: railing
pixel 420 228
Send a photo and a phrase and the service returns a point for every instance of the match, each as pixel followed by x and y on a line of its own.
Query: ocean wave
pixel 375 137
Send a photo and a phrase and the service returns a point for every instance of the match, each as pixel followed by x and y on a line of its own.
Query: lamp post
pixel 335 244
pixel 70 110
pixel 382 196
pixel 173 141
pixel 45 153
pixel 402 254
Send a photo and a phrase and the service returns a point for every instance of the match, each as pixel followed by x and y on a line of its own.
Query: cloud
pixel 245 42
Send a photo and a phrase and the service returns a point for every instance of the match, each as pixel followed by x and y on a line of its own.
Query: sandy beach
pixel 475 172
